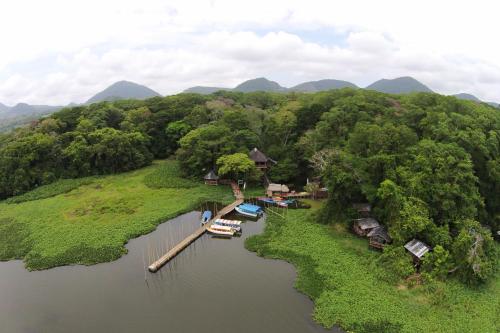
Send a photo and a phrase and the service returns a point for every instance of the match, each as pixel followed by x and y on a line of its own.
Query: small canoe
pixel 207 216
pixel 220 230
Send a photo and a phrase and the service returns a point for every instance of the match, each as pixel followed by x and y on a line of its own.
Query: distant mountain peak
pixel 204 90
pixel 3 107
pixel 467 97
pixel 400 85
pixel 123 90
pixel 321 85
pixel 259 84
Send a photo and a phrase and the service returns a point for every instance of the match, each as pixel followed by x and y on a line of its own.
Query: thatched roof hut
pixel 211 178
pixel 276 189
pixel 260 159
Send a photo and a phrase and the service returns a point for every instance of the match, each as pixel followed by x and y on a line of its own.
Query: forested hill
pixel 123 90
pixel 429 164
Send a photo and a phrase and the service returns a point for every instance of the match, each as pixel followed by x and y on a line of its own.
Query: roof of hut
pixel 362 207
pixel 278 188
pixel 367 223
pixel 380 231
pixel 211 176
pixel 258 156
pixel 417 248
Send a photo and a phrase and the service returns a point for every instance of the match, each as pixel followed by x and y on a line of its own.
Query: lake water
pixel 215 285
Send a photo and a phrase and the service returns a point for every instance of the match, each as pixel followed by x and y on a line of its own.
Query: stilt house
pixel 417 249
pixel 261 161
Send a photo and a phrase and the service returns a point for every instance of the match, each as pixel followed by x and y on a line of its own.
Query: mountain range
pixel 263 84
pixel 118 90
pixel 127 89
pixel 401 85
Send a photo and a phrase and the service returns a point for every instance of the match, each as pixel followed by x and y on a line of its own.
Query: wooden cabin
pixel 363 209
pixel 262 162
pixel 364 225
pixel 211 178
pixel 417 249
pixel 277 190
pixel 379 237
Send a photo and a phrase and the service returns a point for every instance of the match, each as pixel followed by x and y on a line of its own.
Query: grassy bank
pixel 340 274
pixel 89 221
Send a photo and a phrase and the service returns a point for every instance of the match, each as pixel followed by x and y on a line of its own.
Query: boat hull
pixel 242 212
pixel 227 234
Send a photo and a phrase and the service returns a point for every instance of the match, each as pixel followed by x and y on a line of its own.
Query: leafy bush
pixel 398 262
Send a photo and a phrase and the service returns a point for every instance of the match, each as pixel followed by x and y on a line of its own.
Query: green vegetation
pixel 238 166
pixel 46 191
pixel 167 175
pixel 349 283
pixel 428 164
pixel 92 222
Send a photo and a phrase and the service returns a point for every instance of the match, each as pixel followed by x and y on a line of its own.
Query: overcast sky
pixel 57 52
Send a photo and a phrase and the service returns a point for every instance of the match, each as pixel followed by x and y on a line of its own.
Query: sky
pixel 57 51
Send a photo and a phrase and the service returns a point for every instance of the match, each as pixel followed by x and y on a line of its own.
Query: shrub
pixel 397 262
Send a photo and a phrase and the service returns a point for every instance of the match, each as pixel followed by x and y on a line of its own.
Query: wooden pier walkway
pixel 155 266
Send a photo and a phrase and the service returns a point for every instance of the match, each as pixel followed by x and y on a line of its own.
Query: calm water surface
pixel 215 285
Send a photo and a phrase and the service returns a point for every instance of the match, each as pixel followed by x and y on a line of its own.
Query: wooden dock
pixel 194 236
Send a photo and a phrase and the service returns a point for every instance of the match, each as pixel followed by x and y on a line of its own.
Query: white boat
pixel 235 224
pixel 221 230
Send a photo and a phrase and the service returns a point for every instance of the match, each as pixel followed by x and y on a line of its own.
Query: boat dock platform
pixel 155 266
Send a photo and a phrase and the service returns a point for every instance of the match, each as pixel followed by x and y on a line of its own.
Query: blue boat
pixel 207 216
pixel 249 210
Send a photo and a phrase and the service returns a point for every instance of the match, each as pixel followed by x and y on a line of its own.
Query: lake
pixel 215 285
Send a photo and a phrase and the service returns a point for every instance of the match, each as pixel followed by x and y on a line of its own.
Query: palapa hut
pixel 277 190
pixel 417 249
pixel 364 225
pixel 379 237
pixel 363 209
pixel 261 161
pixel 211 178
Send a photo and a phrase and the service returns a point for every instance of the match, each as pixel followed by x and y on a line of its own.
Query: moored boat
pixel 249 210
pixel 235 224
pixel 207 215
pixel 220 230
pixel 276 201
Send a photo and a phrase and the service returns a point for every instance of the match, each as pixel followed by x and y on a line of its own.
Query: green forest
pixel 428 164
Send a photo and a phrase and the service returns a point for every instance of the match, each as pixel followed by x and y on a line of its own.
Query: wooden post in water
pixel 155 266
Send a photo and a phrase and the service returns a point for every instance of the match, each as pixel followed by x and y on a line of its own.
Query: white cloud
pixel 171 45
